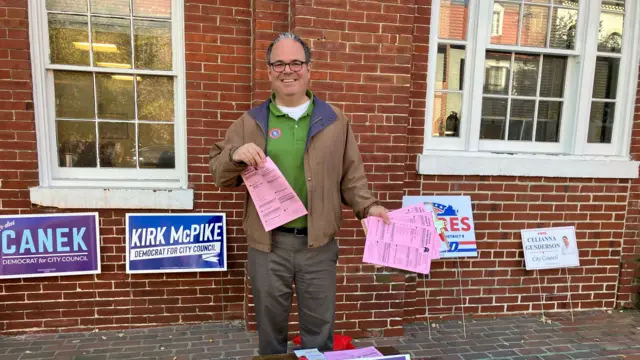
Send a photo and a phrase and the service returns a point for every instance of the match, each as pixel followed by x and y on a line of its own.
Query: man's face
pixel 289 83
pixel 566 241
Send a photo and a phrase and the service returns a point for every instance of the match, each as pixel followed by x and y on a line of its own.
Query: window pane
pixel 554 69
pixel 69 39
pixel 156 146
pixel 537 1
pixel 450 67
pixel 605 82
pixel 506 17
pixel 521 119
pixel 155 98
pixel 110 7
pixel 447 108
pixel 76 143
pixel 74 95
pixel 117 143
pixel 601 122
pixel 610 33
pixel 535 20
pixel 497 68
pixel 613 5
pixel 115 96
pixel 548 123
pixel 563 28
pixel 152 8
pixel 453 19
pixel 568 3
pixel 525 75
pixel 153 44
pixel 111 42
pixel 67 5
pixel 494 118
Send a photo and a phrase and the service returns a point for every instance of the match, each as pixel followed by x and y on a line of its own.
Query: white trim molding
pixel 78 198
pixel 491 164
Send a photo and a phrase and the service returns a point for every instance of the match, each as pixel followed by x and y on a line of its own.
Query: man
pixel 312 144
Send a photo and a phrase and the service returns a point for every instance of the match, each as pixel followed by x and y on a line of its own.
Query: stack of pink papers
pixel 361 353
pixel 409 243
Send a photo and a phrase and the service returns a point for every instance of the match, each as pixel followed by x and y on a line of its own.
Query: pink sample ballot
pixel 424 220
pixel 409 251
pixel 353 354
pixel 275 200
pixel 409 210
pixel 407 234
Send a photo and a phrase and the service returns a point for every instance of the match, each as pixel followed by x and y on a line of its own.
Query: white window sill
pixel 96 198
pixel 492 164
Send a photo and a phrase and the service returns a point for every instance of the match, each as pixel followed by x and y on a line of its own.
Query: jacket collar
pixel 321 117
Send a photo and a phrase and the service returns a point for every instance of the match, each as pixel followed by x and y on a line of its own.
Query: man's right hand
pixel 249 154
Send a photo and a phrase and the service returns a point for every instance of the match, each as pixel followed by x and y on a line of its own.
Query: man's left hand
pixel 381 212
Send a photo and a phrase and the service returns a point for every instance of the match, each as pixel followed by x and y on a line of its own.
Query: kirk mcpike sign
pixel 176 243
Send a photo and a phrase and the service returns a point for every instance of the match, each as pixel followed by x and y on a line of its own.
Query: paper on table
pixel 406 257
pixel 352 354
pixel 275 200
pixel 310 354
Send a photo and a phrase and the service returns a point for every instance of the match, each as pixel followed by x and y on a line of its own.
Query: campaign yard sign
pixel 39 245
pixel 550 248
pixel 176 242
pixel 456 213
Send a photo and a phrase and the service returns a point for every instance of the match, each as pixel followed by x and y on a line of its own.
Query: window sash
pixel 51 174
pixel 625 92
pixel 579 75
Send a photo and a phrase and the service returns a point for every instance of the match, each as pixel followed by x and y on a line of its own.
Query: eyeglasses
pixel 294 66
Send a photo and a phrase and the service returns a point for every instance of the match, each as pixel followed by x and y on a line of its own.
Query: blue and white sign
pixel 176 242
pixel 459 230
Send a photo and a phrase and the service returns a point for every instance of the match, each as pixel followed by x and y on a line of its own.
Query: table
pixel 384 350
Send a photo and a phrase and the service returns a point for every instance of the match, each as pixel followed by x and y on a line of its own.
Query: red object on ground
pixel 340 342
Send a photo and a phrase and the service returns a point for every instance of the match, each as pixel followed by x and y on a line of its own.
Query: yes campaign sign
pixel 456 213
pixel 38 245
pixel 176 242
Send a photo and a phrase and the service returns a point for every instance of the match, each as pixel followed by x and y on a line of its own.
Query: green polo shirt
pixel 286 142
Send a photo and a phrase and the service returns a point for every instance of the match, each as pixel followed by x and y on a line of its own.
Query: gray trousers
pixel 272 275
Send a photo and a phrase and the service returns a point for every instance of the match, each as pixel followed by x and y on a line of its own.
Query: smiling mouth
pixel 289 81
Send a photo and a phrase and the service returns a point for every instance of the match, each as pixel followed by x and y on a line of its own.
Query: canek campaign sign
pixel 176 242
pixel 38 245
pixel 550 248
pixel 456 213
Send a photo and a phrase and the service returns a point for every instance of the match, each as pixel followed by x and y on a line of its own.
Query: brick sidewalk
pixel 593 335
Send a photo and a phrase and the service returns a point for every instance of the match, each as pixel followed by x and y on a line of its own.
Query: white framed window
pixel 550 82
pixel 109 99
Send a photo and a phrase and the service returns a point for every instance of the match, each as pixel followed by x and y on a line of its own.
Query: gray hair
pixel 292 36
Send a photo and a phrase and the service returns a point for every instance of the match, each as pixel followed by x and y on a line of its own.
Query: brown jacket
pixel 332 165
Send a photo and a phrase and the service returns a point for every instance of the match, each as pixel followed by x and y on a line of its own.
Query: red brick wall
pixel 370 59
